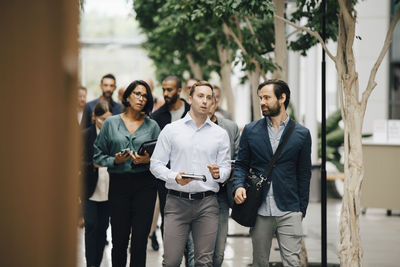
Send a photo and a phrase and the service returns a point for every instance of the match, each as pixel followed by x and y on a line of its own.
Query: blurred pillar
pixel 39 156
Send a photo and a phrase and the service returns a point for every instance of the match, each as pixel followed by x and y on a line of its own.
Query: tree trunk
pixel 350 249
pixel 225 58
pixel 254 78
pixel 196 68
pixel 280 49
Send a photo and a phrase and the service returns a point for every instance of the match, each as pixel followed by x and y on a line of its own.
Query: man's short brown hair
pixel 200 83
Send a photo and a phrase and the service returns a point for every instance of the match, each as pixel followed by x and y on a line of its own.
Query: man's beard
pixel 171 101
pixel 272 111
pixel 107 95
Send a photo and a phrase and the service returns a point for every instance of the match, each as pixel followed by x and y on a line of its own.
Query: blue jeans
pixel 223 217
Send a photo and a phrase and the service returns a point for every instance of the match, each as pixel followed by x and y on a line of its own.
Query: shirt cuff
pixel 172 175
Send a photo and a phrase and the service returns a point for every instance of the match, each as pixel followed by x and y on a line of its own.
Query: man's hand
pixel 214 170
pixel 240 195
pixel 138 159
pixel 181 181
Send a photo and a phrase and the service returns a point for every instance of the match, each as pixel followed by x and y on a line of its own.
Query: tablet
pixel 199 177
pixel 147 146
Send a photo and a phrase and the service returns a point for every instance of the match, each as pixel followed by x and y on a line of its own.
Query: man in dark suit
pixel 285 199
pixel 107 86
pixel 95 194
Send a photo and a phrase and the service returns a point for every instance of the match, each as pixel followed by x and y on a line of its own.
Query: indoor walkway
pixel 380 237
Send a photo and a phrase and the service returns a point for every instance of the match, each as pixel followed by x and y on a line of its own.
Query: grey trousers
pixel 288 231
pixel 182 216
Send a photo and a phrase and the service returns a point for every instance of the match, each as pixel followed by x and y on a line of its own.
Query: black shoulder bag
pixel 246 213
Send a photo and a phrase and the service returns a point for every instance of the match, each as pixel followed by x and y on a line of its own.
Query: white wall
pixel 373 23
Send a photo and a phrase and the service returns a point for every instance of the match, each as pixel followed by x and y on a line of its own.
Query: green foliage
pixel 177 28
pixel 250 21
pixel 311 10
pixel 170 39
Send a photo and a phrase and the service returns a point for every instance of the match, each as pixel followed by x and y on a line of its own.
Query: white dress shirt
pixel 191 149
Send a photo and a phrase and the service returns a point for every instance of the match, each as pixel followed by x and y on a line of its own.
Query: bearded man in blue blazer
pixel 285 198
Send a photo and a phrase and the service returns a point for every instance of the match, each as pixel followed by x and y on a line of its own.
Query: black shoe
pixel 154 242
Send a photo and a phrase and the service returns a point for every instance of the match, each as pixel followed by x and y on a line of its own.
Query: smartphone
pixel 125 151
pixel 198 177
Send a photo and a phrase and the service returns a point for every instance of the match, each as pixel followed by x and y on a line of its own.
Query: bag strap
pixel 271 164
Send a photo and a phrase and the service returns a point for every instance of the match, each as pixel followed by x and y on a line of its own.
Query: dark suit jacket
pixel 291 175
pixel 163 117
pixel 90 173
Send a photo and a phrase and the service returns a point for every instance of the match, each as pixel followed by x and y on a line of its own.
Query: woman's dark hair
pixel 101 108
pixel 148 107
pixel 280 87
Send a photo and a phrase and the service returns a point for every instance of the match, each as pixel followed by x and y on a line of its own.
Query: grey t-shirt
pixel 177 114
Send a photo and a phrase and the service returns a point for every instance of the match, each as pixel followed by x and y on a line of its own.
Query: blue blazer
pixel 291 175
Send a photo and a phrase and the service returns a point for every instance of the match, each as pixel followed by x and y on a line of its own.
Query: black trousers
pixel 97 219
pixel 162 195
pixel 132 198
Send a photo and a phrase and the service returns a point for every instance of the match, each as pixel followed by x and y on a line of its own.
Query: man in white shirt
pixel 193 145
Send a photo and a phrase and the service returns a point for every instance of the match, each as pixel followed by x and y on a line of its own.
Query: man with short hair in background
pixel 173 109
pixel 189 84
pixel 221 113
pixel 107 86
pixel 82 93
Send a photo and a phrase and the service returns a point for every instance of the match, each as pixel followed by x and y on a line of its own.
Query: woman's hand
pixel 138 159
pixel 121 158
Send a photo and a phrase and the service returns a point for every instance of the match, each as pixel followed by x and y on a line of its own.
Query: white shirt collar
pixel 188 118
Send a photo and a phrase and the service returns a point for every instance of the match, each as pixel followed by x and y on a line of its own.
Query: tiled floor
pixel 380 237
